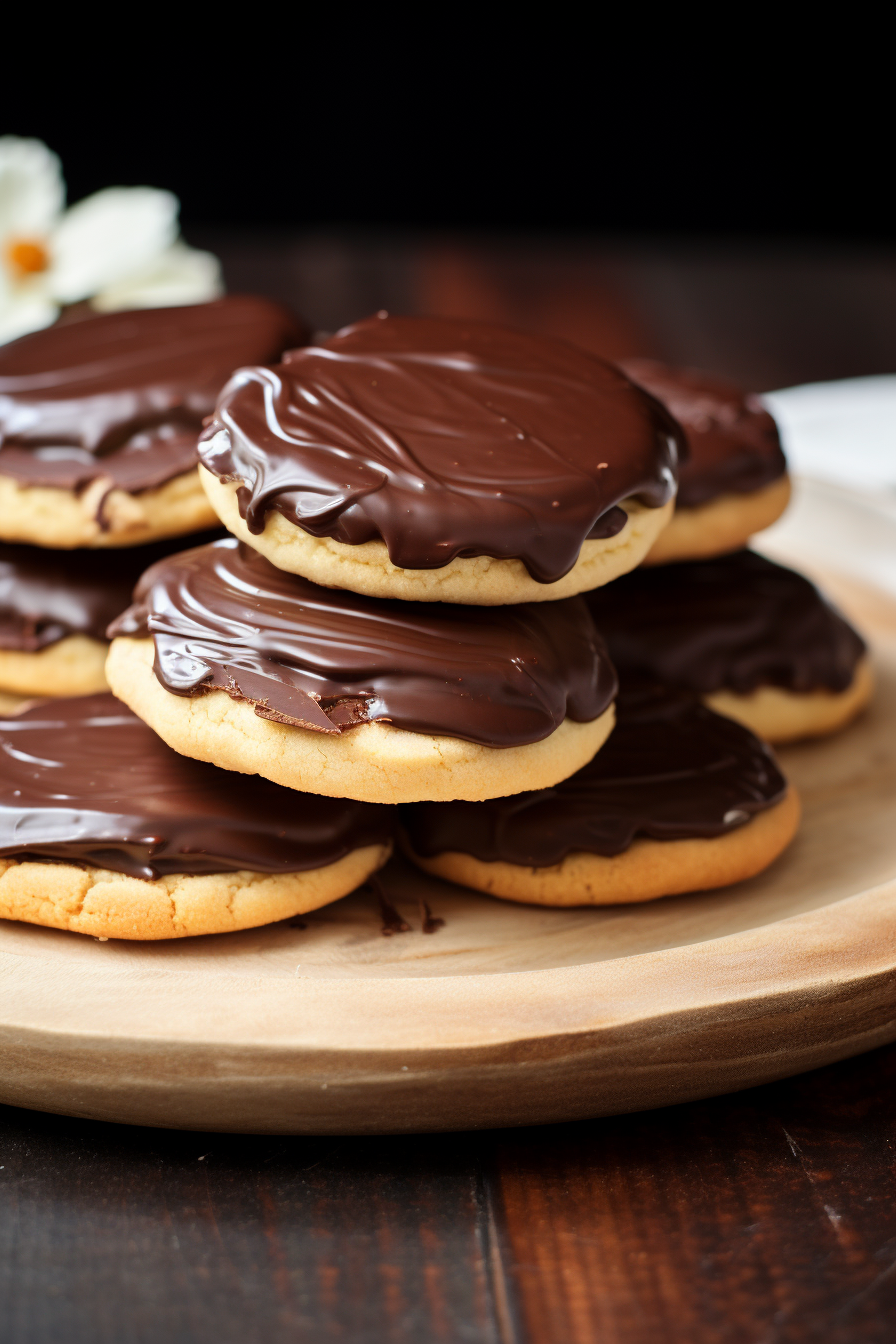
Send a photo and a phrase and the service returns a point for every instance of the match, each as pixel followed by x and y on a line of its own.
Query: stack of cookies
pixel 415 625
pixel 98 427
pixel 681 798
pixel 754 640
pixel 104 829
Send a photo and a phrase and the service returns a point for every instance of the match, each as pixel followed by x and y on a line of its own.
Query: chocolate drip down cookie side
pixel 234 661
pixel 430 459
pixel 106 831
pixel 753 639
pixel 99 419
pixel 680 799
pixel 733 480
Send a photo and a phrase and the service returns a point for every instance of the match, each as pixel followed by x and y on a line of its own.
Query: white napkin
pixel 843 432
pixel 840 441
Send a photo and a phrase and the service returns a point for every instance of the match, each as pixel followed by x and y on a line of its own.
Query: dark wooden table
pixel 760 1218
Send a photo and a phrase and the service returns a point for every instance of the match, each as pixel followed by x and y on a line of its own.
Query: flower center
pixel 26 256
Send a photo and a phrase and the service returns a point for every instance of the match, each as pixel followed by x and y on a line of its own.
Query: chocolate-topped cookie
pixel 756 640
pixel 54 610
pixel 435 459
pixel 105 830
pixel 99 419
pixel 679 799
pixel 233 660
pixel 733 480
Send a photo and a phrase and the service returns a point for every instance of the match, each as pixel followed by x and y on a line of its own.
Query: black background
pixel 616 127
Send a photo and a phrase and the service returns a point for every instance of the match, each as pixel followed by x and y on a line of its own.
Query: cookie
pixel 102 516
pixel 234 661
pixel 11 704
pixel 781 716
pixel 733 480
pixel 437 460
pixel 106 831
pixel 720 526
pixel 680 799
pixel 54 610
pixel 755 640
pixel 478 580
pixel 74 665
pixel 99 419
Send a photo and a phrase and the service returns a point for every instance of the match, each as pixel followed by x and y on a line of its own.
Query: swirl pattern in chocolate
pixel 45 596
pixel 733 443
pixel 85 781
pixel 223 617
pixel 443 438
pixel 670 770
pixel 124 395
pixel 733 623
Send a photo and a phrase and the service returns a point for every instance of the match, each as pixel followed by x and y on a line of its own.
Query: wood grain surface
pixel 768 1216
pixel 764 1217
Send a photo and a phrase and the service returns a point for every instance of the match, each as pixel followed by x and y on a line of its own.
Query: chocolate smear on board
pixel 429 923
pixel 392 920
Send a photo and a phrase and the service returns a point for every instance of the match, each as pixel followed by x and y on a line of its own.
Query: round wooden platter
pixel 505 1014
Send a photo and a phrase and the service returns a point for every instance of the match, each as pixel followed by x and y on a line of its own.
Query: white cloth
pixel 840 441
pixel 842 432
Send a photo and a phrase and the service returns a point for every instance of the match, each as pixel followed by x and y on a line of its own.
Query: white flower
pixel 32 195
pixel 173 278
pixel 118 248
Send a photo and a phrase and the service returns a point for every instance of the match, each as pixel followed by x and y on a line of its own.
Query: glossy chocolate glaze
pixel 222 616
pixel 671 770
pixel 733 443
pixel 124 395
pixel 734 623
pixel 443 438
pixel 85 781
pixel 47 595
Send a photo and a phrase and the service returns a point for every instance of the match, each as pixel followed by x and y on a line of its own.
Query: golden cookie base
pixel 374 763
pixel 779 715
pixel 478 580
pixel 106 904
pixel 72 666
pixel 63 520
pixel 723 525
pixel 647 870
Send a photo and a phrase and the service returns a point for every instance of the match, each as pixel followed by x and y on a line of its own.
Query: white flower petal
pixel 24 312
pixel 32 192
pixel 107 237
pixel 180 275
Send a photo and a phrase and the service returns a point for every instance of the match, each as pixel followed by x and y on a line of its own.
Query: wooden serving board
pixel 506 1014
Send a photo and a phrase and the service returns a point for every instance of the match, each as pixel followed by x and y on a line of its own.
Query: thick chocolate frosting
pixel 443 438
pixel 85 781
pixel 124 395
pixel 671 770
pixel 733 623
pixel 222 616
pixel 47 595
pixel 733 443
